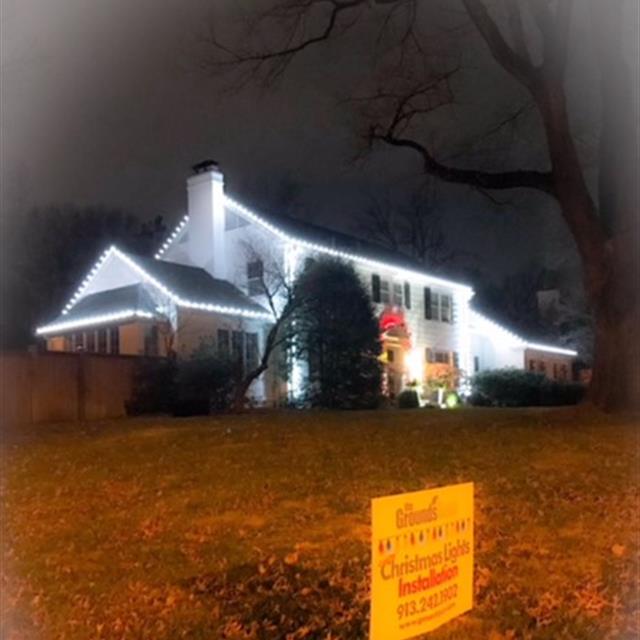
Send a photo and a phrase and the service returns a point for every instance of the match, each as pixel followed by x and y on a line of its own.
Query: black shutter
pixel 427 303
pixel 407 295
pixel 375 287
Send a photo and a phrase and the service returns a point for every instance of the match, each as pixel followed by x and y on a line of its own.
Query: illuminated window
pixel 441 357
pixel 255 282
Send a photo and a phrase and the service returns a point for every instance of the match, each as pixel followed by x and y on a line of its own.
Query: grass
pixel 258 525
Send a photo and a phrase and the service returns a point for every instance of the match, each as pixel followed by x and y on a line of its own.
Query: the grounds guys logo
pixel 422 555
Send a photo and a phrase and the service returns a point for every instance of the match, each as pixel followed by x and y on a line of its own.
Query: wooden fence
pixel 36 388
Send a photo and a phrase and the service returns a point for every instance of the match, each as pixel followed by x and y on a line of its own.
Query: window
pixel 384 291
pixel 237 346
pixel 151 340
pixel 427 303
pixel 476 364
pixel 375 287
pixel 542 367
pixel 255 272
pixel 90 341
pixel 442 357
pixel 223 343
pixel 407 295
pixel 102 341
pixel 435 306
pixel 78 341
pixel 251 343
pixel 446 314
pixel 114 340
pixel 397 294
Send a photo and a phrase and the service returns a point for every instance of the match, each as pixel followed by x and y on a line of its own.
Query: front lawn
pixel 257 526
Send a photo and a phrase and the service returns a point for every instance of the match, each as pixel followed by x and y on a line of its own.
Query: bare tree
pixel 275 289
pixel 413 228
pixel 529 41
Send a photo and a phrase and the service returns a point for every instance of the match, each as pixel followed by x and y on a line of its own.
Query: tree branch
pixel 515 64
pixel 540 180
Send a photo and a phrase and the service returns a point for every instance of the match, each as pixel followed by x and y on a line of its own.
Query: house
pixel 204 283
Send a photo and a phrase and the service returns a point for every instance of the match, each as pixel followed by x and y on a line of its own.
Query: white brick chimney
pixel 206 245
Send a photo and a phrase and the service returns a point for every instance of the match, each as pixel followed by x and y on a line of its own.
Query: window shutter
pixel 375 287
pixel 407 295
pixel 427 303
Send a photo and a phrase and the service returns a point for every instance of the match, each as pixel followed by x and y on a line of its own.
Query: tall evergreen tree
pixel 337 334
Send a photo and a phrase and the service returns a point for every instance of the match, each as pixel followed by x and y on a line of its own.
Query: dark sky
pixel 105 103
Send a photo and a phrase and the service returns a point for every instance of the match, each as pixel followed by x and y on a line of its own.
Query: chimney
pixel 205 192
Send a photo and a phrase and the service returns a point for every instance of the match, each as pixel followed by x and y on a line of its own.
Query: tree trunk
pixel 616 368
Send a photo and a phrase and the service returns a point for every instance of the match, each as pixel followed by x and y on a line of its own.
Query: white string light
pixel 497 331
pixel 172 238
pixel 104 318
pixel 374 264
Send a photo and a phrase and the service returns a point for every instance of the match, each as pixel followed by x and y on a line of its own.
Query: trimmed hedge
pixel 196 386
pixel 518 388
pixel 408 399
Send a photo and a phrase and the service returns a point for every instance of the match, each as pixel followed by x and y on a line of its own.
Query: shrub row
pixel 196 386
pixel 518 388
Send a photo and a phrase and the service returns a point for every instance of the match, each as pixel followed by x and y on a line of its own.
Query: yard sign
pixel 422 560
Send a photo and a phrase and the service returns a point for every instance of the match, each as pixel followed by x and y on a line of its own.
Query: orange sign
pixel 422 560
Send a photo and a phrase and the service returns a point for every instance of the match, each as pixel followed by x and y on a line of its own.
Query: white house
pixel 202 285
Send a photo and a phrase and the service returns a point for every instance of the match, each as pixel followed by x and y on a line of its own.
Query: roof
pixel 328 240
pixel 196 285
pixel 187 286
pixel 130 302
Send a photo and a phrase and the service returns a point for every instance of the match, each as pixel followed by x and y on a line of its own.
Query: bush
pixel 153 386
pixel 203 385
pixel 408 399
pixel 195 386
pixel 518 388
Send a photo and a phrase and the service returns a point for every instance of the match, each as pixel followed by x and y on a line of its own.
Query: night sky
pixel 107 103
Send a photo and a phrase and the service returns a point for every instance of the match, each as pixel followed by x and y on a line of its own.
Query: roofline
pixel 104 318
pixel 521 342
pixel 409 273
pixel 180 227
pixel 176 299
